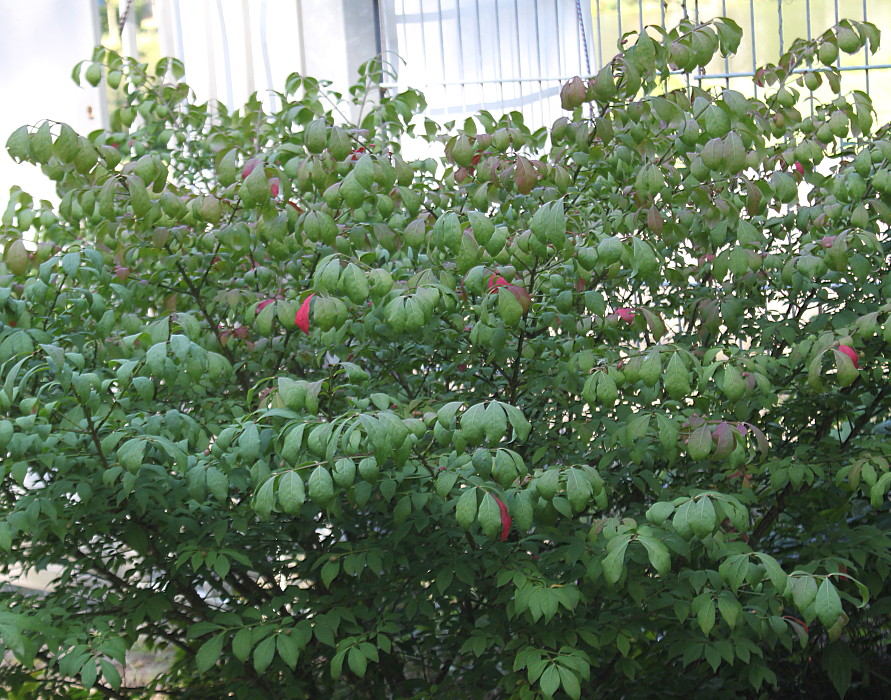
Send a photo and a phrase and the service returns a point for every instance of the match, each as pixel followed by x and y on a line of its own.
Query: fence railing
pixel 502 55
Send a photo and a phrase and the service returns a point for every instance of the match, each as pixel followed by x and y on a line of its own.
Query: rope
pixel 124 17
pixel 578 12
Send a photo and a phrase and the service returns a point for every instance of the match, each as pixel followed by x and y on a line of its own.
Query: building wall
pixel 40 42
pixel 233 48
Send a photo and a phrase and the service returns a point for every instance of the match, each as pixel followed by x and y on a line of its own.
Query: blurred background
pixel 465 55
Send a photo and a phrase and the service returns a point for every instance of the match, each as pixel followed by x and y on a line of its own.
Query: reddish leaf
pixel 723 439
pixel 627 315
pixel 850 352
pixel 496 281
pixel 506 521
pixel 525 175
pixel 302 318
pixel 249 167
pixel 760 438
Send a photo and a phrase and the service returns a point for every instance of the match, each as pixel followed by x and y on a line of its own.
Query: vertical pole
pixel 101 92
pixel 754 43
pixel 619 15
pixel 463 75
pixel 807 11
pixel 726 58
pixel 780 19
pixel 498 48
pixel 442 51
pixel 248 50
pixel 599 39
pixel 866 52
pixel 538 62
pixel 479 53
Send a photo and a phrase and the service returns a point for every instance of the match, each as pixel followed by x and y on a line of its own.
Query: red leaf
pixel 249 166
pixel 796 621
pixel 496 281
pixel 525 175
pixel 627 315
pixel 263 304
pixel 506 521
pixel 302 317
pixel 850 352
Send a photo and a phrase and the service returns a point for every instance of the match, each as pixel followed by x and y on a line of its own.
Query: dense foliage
pixel 594 411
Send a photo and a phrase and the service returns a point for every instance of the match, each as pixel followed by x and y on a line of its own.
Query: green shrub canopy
pixel 594 411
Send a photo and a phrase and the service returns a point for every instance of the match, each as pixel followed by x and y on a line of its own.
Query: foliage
pixel 594 411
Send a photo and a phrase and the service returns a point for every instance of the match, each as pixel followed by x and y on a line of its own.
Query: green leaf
pixel 570 683
pixel 774 572
pixel 329 571
pixel 658 513
pixel 706 617
pixel 838 660
pixel 264 499
pixel 288 649
pixel 676 380
pixel 657 553
pixel 264 653
pixel 110 673
pixel 466 509
pixel 357 661
pixel 702 516
pixel 730 608
pixel 209 652
pixel 550 680
pixel 804 591
pixel 614 562
pixel 290 492
pixel 131 453
pixel 321 486
pixel 489 516
pixel 699 444
pixel 242 644
pixel 827 603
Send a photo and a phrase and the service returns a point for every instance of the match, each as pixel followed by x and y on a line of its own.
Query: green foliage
pixel 589 412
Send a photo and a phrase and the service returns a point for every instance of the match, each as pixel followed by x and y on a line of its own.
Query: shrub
pixel 594 411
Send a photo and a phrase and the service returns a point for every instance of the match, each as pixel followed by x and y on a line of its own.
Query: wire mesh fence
pixel 503 55
pixel 469 55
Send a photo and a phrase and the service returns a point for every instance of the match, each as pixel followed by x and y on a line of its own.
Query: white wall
pixel 40 41
pixel 232 48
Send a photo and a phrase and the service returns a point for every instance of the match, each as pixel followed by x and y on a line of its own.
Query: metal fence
pixel 502 55
pixel 468 55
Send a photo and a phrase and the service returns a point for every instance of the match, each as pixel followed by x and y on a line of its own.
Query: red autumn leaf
pixel 302 318
pixel 627 315
pixel 274 186
pixel 797 621
pixel 525 175
pixel 249 166
pixel 506 521
pixel 496 281
pixel 850 352
pixel 263 304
